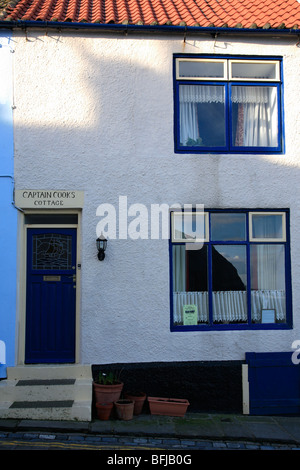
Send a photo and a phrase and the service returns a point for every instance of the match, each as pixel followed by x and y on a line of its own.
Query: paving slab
pixel 192 426
pixel 139 425
pixel 291 425
pixel 198 427
pixel 267 432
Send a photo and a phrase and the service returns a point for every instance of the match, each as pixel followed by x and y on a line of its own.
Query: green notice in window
pixel 190 314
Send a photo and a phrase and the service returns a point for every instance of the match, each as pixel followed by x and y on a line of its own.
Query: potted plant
pixel 124 409
pixel 104 410
pixel 168 406
pixel 138 398
pixel 107 387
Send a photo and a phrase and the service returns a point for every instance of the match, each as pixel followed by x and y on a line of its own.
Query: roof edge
pixel 126 28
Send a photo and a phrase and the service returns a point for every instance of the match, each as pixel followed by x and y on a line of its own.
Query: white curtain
pixel 268 280
pixel 270 272
pixel 179 283
pixel 189 98
pixel 268 299
pixel 230 306
pixel 257 111
pixel 188 122
pixel 200 299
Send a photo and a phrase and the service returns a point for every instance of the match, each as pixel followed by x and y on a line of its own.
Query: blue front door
pixel 51 296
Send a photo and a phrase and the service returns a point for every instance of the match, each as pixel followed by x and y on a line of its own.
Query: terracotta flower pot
pixel 168 406
pixel 107 393
pixel 124 409
pixel 104 410
pixel 139 400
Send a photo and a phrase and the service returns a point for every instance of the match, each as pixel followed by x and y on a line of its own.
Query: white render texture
pixel 95 113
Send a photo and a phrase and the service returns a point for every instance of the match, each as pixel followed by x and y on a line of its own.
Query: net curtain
pixel 257 110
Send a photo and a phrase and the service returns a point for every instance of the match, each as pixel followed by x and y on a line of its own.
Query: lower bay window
pixel 230 271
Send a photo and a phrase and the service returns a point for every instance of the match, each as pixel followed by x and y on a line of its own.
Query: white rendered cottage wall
pixel 96 114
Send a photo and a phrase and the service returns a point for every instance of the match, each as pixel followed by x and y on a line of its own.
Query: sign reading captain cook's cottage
pixel 51 199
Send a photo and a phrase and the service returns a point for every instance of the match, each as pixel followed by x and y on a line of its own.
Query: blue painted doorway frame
pixel 50 295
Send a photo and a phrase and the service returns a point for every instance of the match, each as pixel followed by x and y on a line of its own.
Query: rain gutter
pixel 127 28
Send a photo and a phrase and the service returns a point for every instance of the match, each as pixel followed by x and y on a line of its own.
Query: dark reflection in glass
pixel 229 283
pixel 197 280
pixel 229 267
pixel 211 135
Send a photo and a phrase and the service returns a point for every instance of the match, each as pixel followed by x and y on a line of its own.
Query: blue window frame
pixel 228 104
pixel 230 269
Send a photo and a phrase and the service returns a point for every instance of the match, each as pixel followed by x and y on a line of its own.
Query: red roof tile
pixel 204 13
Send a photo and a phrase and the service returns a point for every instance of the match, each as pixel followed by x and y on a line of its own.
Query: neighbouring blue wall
pixel 8 221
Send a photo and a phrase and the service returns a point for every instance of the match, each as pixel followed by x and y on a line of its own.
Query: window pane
pixel 202 115
pixel 254 116
pixel 201 69
pixel 188 226
pixel 228 226
pixel 254 70
pixel 268 283
pixel 267 226
pixel 190 296
pixel 229 280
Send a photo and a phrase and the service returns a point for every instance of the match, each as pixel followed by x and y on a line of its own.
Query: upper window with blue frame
pixel 228 105
pixel 230 270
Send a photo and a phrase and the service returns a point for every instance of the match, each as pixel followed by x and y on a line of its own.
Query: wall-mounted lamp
pixel 101 247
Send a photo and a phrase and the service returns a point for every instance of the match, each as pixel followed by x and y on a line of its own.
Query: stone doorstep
pixel 46 410
pixel 31 372
pixel 46 393
pixel 51 389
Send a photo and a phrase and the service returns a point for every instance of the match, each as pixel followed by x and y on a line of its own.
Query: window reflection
pixel 266 226
pixel 238 275
pixel 189 226
pixel 228 226
pixel 229 280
